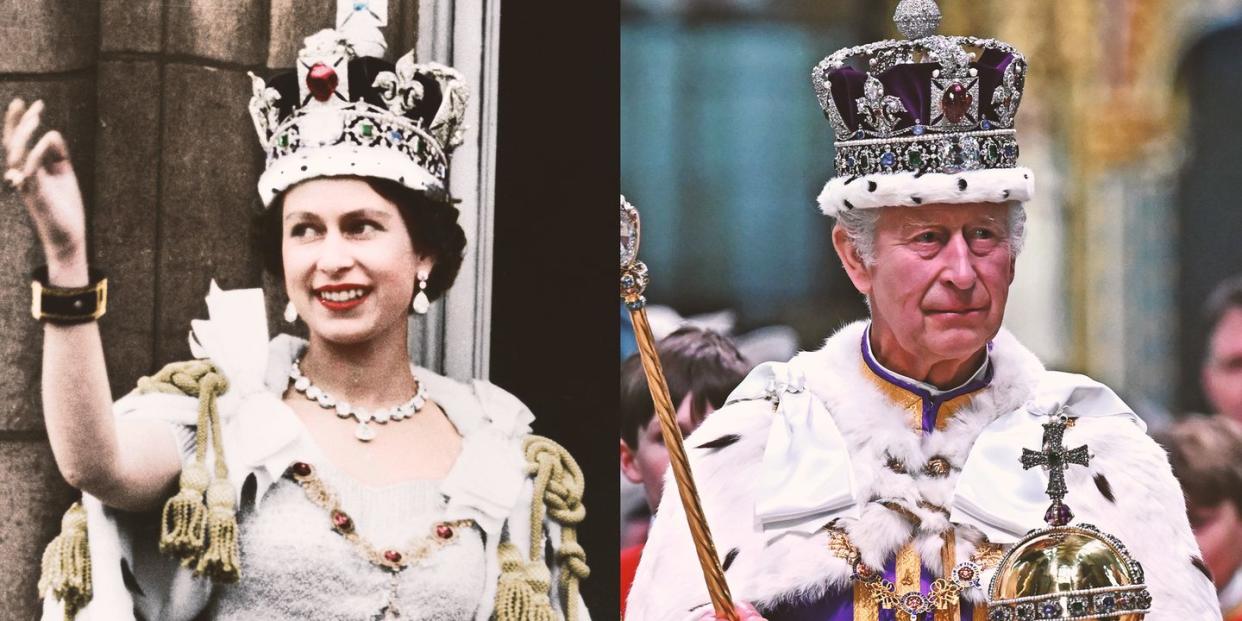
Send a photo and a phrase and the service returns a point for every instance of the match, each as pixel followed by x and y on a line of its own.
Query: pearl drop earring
pixel 421 302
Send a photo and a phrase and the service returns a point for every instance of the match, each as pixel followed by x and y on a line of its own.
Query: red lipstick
pixel 341 305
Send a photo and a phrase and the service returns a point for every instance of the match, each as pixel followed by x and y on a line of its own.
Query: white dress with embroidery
pixel 298 567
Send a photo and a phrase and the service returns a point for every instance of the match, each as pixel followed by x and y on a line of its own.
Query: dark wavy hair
pixel 431 223
pixel 696 362
pixel 1206 455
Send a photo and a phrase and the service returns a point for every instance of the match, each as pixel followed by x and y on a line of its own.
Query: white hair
pixel 859 226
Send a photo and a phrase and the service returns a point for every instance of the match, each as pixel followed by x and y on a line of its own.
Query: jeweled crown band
pixel 941 153
pixel 358 124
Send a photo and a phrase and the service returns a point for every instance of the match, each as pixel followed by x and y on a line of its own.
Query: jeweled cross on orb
pixel 1056 459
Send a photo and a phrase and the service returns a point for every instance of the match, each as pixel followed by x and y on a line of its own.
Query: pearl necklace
pixel 364 431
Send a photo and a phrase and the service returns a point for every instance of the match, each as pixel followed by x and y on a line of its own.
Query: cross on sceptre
pixel 1056 459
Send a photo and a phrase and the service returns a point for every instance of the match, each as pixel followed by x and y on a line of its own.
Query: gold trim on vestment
pixel 865 606
pixel 912 404
pixel 907 576
pixel 948 559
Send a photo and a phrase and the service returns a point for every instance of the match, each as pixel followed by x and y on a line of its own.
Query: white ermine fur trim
pixel 1147 512
pixel 905 189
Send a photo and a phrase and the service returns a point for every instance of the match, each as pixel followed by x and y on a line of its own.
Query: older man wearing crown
pixel 884 476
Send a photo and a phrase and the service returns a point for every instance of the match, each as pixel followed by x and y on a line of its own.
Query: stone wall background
pixel 151 96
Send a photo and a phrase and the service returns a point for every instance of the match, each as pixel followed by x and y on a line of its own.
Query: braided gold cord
pixel 525 583
pixel 709 560
pixel 187 378
pixel 199 523
pixel 559 486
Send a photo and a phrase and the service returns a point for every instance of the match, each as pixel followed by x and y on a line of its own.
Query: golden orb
pixel 1066 573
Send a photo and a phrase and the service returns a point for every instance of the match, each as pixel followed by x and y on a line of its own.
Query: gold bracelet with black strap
pixel 68 305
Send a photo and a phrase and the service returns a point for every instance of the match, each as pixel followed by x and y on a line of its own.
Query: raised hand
pixel 44 177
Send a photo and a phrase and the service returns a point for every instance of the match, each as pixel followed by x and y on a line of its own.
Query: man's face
pixel 1217 529
pixel 1222 372
pixel 647 462
pixel 939 282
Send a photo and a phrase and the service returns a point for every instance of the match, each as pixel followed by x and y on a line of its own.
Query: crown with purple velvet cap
pixel 345 110
pixel 929 119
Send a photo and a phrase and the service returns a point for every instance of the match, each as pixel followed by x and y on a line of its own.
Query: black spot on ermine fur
pixel 720 442
pixel 1106 488
pixel 1201 566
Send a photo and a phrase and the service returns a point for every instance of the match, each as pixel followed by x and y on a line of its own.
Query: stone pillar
pixel 50 53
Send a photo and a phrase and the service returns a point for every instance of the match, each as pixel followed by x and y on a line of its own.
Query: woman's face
pixel 350 268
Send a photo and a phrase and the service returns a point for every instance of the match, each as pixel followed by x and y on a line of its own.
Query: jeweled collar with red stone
pixel 931 398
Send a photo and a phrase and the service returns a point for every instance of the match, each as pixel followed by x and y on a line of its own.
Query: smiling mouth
pixel 341 299
pixel 964 311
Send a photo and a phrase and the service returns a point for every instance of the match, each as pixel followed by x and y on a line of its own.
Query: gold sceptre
pixel 634 280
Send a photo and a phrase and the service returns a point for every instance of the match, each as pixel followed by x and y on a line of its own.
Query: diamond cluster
pixel 950 154
pixel 1087 604
pixel 357 125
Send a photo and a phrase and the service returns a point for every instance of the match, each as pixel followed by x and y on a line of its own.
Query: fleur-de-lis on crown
pixel 263 110
pixel 402 90
pixel 1007 96
pixel 879 110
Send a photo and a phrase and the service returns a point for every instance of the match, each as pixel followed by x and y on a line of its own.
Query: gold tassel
pixel 184 521
pixel 67 563
pixel 522 593
pixel 558 494
pixel 202 534
pixel 220 560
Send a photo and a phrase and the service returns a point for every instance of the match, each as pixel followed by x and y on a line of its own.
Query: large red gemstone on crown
pixel 392 556
pixel 444 531
pixel 301 468
pixel 321 81
pixel 956 102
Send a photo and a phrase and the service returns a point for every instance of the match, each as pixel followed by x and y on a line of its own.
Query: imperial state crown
pixel 345 110
pixel 928 119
